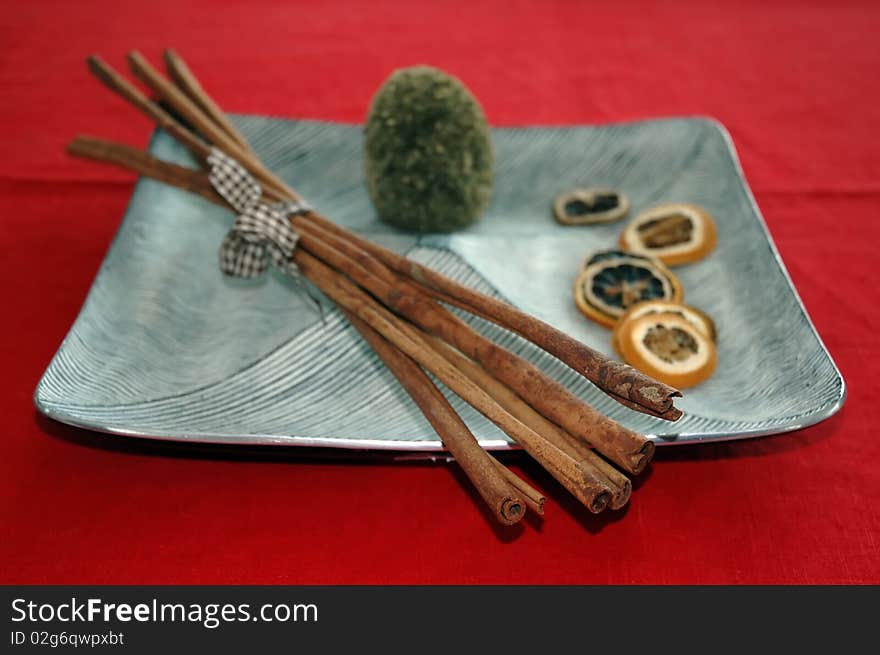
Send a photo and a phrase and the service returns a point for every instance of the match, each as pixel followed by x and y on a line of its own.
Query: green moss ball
pixel 428 154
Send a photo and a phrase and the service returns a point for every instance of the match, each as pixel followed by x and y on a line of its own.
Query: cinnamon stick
pixel 350 297
pixel 203 124
pixel 201 149
pixel 626 448
pixel 507 504
pixel 119 85
pixel 617 483
pixel 533 498
pixel 596 484
pixel 141 162
pixel 623 383
pixel 189 84
pixel 622 487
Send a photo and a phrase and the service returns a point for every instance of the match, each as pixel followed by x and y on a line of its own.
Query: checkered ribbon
pixel 261 230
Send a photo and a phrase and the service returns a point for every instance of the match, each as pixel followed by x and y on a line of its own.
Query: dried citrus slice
pixel 588 206
pixel 606 288
pixel 669 348
pixel 698 318
pixel 675 233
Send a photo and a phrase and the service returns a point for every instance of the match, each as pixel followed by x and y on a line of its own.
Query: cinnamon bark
pixel 203 124
pixel 350 297
pixel 189 84
pixel 620 483
pixel 507 504
pixel 142 162
pixel 591 487
pixel 119 85
pixel 533 498
pixel 617 483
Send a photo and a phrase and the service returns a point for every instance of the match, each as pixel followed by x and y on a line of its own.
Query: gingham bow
pixel 261 230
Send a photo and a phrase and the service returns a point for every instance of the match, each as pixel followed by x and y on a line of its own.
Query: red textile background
pixel 795 83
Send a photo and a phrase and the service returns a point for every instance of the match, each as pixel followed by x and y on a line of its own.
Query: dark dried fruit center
pixel 666 231
pixel 602 202
pixel 625 285
pixel 670 344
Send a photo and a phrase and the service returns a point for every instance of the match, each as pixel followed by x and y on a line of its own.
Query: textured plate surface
pixel 166 347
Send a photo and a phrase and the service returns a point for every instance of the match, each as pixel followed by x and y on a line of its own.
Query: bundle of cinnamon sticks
pixel 400 309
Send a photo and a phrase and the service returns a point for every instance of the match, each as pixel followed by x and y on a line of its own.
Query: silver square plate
pixel 166 347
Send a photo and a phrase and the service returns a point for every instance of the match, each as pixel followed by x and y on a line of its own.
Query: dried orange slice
pixel 675 233
pixel 588 206
pixel 698 318
pixel 608 286
pixel 669 348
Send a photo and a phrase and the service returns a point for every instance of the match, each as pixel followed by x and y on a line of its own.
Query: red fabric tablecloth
pixel 795 83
